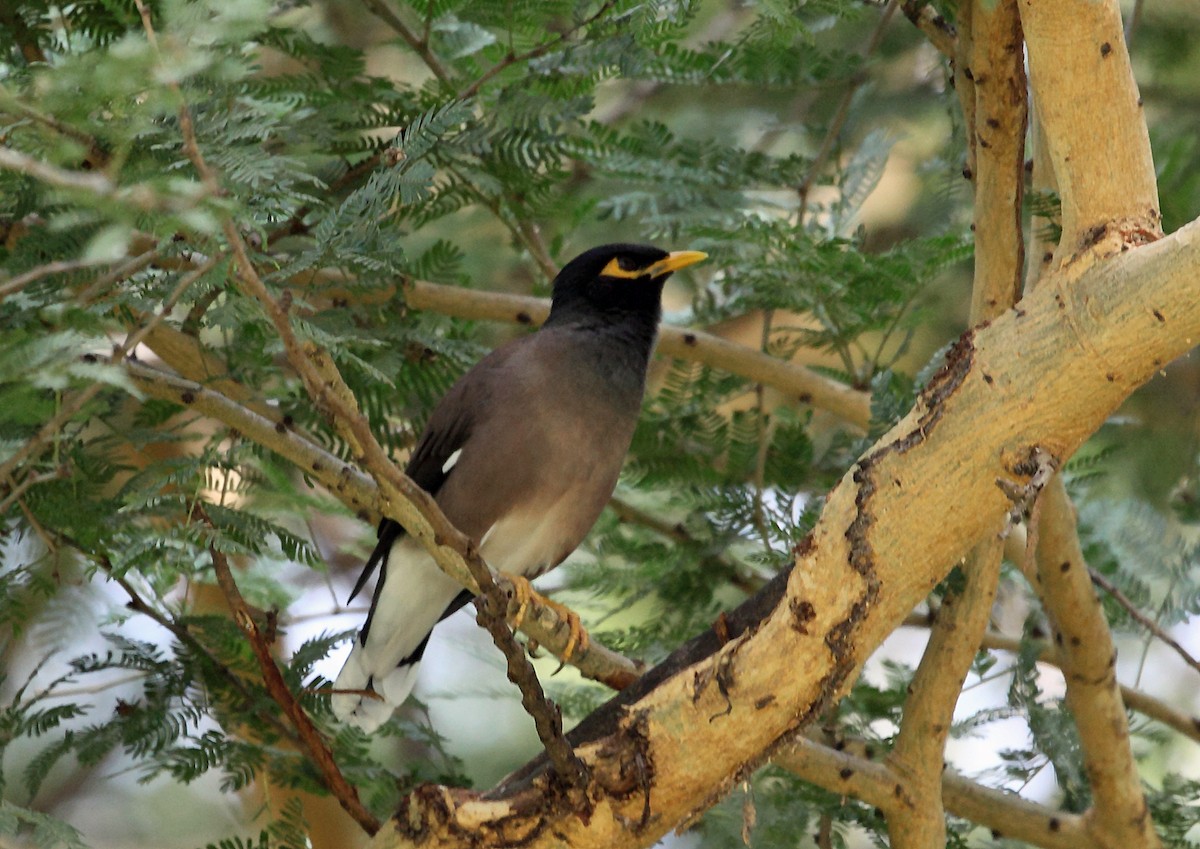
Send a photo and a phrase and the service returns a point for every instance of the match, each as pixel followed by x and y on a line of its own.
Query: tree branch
pixel 1118 818
pixel 53 427
pixel 1142 619
pixel 937 29
pixel 1000 118
pixel 878 784
pixel 1078 62
pixel 796 381
pixel 918 755
pixel 491 609
pixel 381 10
pixel 533 53
pixel 319 753
pixel 1134 699
pixel 993 35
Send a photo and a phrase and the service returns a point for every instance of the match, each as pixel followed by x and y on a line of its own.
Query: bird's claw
pixel 523 592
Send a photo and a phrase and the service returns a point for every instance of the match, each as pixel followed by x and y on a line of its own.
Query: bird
pixel 521 454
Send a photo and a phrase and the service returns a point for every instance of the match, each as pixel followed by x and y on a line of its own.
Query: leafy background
pixel 812 149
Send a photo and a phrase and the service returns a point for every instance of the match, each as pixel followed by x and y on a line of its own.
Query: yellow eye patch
pixel 671 262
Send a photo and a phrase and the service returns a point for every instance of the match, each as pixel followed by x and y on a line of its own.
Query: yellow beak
pixel 673 262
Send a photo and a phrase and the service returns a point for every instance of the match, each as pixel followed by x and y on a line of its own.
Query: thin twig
pixel 491 608
pixel 842 772
pixel 533 53
pixel 737 573
pixel 843 110
pixel 1142 619
pixel 96 158
pixel 420 46
pixel 765 431
pixel 184 636
pixel 310 737
pixel 16 284
pixel 29 481
pixel 937 29
pixel 53 427
pixel 1134 699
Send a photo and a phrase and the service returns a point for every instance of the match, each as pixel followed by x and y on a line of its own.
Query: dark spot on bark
pixel 1047 256
pixel 1158 315
pixel 993 123
pixel 1058 639
pixel 1075 641
pixel 845 773
pixel 968 173
pixel 524 318
pixel 1054 824
pixel 980 79
pixel 689 338
pixel 1110 377
pixel 1093 235
pixel 804 398
pixel 764 701
pixel 1139 100
pixel 896 483
pixel 1065 566
pixel 280 427
pixel 968 73
pixel 840 745
pixel 802 614
pixel 988 379
pixel 805 547
pixel 288 421
pixel 898 790
pixel 996 835
pixel 316 466
pixel 984 143
pixel 1105 49
pixel 187 397
pixel 1019 312
pixel 1058 299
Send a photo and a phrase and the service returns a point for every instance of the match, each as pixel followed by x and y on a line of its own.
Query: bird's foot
pixel 524 593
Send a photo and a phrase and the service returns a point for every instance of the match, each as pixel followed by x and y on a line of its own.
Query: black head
pixel 616 283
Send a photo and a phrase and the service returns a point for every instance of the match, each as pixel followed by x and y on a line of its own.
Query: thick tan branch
pixel 1088 105
pixel 1118 818
pixel 797 381
pixel 999 115
pixel 874 782
pixel 1000 118
pixel 929 709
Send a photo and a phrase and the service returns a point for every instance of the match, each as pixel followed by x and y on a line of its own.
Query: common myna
pixel 521 454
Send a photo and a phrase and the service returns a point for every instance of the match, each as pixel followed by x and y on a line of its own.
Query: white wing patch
pixel 450 461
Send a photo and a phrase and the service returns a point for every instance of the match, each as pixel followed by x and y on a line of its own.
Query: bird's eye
pixel 628 263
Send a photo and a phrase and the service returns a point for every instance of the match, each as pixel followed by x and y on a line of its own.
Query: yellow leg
pixel 524 593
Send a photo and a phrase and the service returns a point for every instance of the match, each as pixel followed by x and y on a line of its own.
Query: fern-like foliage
pixel 471 144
